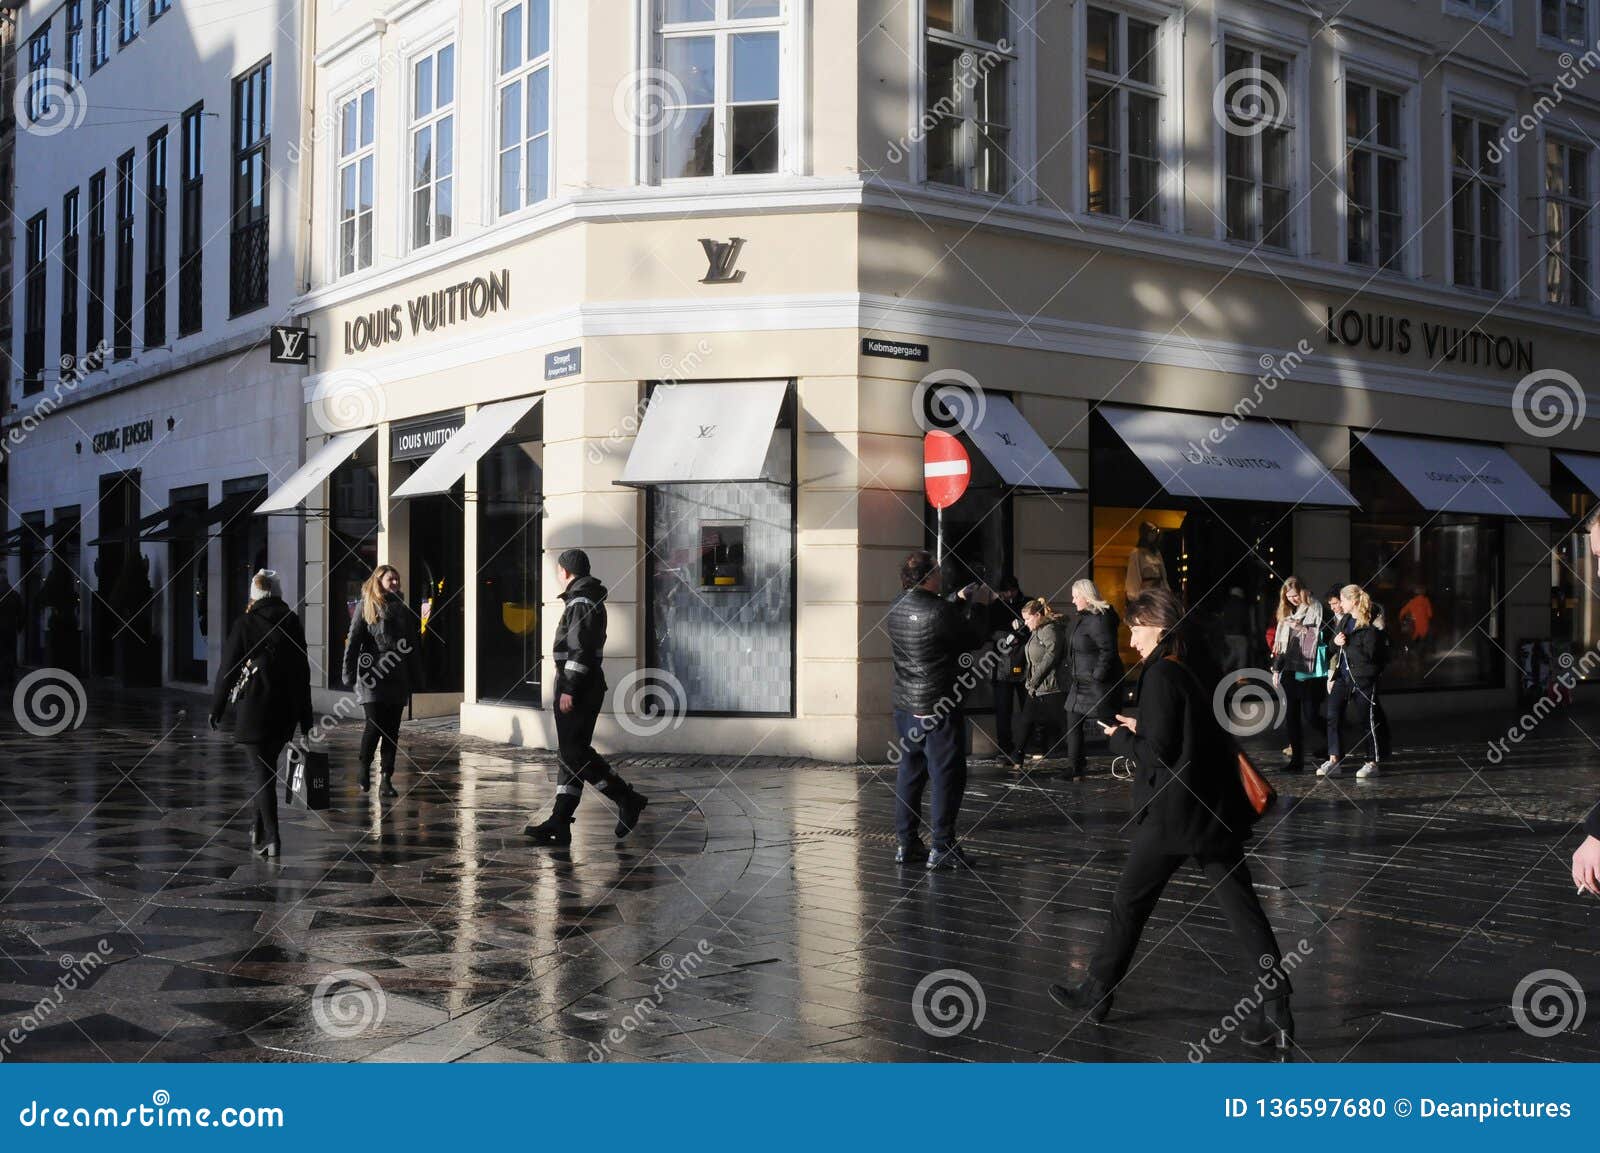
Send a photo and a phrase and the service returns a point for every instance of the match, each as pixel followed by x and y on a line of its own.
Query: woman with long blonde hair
pixel 1295 653
pixel 380 658
pixel 1093 668
pixel 1358 660
pixel 1043 655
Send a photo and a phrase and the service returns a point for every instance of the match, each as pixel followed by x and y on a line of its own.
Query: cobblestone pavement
pixel 756 914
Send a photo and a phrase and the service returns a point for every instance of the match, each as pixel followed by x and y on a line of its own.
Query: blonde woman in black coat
pixel 380 661
pixel 1093 669
pixel 1188 804
pixel 266 677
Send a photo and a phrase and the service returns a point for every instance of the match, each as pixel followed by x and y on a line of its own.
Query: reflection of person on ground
pixel 1189 803
pixel 580 691
pixel 382 656
pixel 1093 669
pixel 1147 569
pixel 1236 630
pixel 1294 666
pixel 266 676
pixel 1006 676
pixel 1353 679
pixel 1045 653
pixel 928 634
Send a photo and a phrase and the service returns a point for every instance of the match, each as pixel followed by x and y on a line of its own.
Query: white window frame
pixel 1292 54
pixel 1558 44
pixel 1405 263
pixel 1497 121
pixel 1495 15
pixel 1019 184
pixel 1169 122
pixel 411 125
pixel 1574 138
pixel 546 62
pixel 341 162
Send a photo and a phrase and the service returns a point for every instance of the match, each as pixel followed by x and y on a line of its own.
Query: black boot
pixel 364 778
pixel 630 804
pixel 387 789
pixel 556 829
pixel 1272 1024
pixel 1089 994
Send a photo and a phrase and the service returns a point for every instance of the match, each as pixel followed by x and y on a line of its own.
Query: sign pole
pixel 938 536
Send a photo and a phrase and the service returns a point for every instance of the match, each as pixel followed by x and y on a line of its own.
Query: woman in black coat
pixel 1358 657
pixel 1189 803
pixel 1093 668
pixel 264 659
pixel 380 662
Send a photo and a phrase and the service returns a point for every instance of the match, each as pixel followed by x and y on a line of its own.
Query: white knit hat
pixel 265 584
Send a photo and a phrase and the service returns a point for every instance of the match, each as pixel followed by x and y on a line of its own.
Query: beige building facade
pixel 1305 294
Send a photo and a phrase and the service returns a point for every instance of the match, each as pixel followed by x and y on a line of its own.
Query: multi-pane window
pixel 155 242
pixel 433 134
pixel 190 242
pixel 1374 160
pixel 1477 199
pixel 122 293
pixel 158 7
pixel 252 148
pixel 33 306
pixel 522 97
pixel 1565 20
pixel 127 21
pixel 99 33
pixel 357 149
pixel 1489 12
pixel 721 67
pixel 1258 131
pixel 38 61
pixel 1123 164
pixel 94 325
pixel 1568 207
pixel 75 39
pixel 968 99
pixel 69 278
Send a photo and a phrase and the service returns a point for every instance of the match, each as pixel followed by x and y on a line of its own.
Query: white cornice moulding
pixel 370 31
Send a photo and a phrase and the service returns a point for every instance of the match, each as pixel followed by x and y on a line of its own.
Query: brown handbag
pixel 1257 789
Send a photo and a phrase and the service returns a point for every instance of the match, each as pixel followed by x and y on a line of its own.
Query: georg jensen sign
pixel 129 435
pixel 429 312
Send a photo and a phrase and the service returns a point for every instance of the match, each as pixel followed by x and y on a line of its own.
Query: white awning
pixel 1225 458
pixel 707 432
pixel 1585 468
pixel 482 431
pixel 317 468
pixel 1459 476
pixel 1018 453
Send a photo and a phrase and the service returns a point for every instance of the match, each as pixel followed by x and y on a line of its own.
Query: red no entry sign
pixel 946 469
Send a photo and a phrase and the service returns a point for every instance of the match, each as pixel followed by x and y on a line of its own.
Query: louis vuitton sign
pixel 442 308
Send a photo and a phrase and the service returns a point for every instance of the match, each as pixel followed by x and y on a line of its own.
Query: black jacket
pixel 277 697
pixel 1186 789
pixel 380 660
pixel 1094 668
pixel 927 637
pixel 1007 642
pixel 1362 654
pixel 581 638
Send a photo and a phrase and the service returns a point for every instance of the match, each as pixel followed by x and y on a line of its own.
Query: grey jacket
pixel 1045 652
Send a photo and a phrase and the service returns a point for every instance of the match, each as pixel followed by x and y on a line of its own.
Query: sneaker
pixel 1369 769
pixel 949 858
pixel 1288 750
pixel 1328 768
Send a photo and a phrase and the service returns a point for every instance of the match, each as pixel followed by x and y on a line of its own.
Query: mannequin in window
pixel 1146 568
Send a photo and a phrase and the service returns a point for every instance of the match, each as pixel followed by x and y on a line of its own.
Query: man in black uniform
pixel 580 691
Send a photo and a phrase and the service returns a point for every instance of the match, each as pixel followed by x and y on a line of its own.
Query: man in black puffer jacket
pixel 580 691
pixel 927 637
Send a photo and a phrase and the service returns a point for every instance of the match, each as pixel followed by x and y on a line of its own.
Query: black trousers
pixel 1146 874
pixel 1045 716
pixel 264 760
pixel 1304 699
pixel 382 734
pixel 575 747
pixel 1369 741
pixel 1010 698
pixel 930 748
pixel 1075 735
